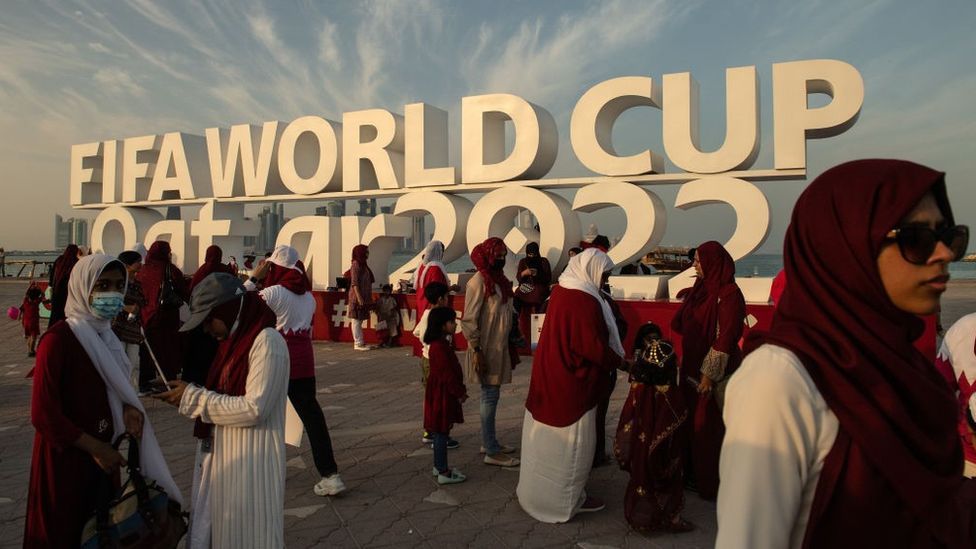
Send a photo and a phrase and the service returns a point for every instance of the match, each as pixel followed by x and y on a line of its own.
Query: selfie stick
pixel 159 370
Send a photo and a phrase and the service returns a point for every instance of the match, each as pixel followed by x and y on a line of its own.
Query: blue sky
pixel 76 72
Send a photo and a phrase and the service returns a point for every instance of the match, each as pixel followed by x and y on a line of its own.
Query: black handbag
pixel 168 297
pixel 139 514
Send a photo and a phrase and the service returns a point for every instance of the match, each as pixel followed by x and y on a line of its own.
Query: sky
pixel 78 72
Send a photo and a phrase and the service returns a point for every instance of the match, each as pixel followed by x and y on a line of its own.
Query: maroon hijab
pixel 211 264
pixel 483 257
pixel 698 316
pixel 294 280
pixel 895 469
pixel 228 374
pixel 359 255
pixel 65 264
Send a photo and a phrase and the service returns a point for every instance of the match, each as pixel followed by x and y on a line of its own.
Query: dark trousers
pixel 440 451
pixel 301 392
pixel 600 454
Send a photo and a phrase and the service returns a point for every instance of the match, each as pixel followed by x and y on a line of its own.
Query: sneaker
pixel 426 438
pixel 330 486
pixel 453 444
pixel 501 460
pixel 454 478
pixel 362 348
pixel 434 471
pixel 504 449
pixel 592 505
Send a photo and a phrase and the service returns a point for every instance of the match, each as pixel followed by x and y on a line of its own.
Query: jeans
pixel 301 392
pixel 489 403
pixel 440 451
pixel 357 333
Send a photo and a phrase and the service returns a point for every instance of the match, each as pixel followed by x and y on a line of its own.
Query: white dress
pixel 239 487
pixel 556 463
pixel 778 431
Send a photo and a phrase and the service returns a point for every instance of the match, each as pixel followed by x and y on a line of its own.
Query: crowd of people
pixel 827 429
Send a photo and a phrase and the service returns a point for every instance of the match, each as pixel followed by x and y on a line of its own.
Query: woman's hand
pixel 526 272
pixel 175 394
pixel 133 419
pixel 479 363
pixel 108 458
pixel 705 386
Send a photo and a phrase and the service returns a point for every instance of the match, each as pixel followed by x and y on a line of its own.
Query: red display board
pixel 332 324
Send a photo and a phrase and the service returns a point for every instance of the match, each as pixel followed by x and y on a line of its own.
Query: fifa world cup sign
pixel 376 153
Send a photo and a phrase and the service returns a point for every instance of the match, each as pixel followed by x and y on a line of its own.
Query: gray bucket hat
pixel 216 289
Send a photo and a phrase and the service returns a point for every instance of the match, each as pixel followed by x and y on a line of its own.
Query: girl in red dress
pixel 445 390
pixel 30 316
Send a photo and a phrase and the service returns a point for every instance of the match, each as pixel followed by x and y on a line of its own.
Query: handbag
pixel 139 515
pixel 529 293
pixel 168 297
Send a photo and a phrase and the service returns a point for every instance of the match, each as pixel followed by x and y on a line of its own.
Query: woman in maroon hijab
pixel 211 264
pixel 841 433
pixel 360 296
pixel 161 321
pixel 710 323
pixel 58 281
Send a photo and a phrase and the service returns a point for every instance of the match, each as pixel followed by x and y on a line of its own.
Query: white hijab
pixel 584 273
pixel 433 257
pixel 106 353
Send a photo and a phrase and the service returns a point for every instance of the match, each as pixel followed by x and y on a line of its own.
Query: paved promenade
pixel 372 402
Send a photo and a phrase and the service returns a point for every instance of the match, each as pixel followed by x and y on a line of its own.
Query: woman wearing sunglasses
pixel 839 432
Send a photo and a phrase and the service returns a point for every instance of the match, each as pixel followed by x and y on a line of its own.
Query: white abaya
pixel 239 486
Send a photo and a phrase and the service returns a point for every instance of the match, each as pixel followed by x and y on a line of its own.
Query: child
pixel 445 390
pixel 437 295
pixel 387 317
pixel 655 410
pixel 30 317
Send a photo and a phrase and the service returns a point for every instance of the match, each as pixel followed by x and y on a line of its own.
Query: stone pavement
pixel 372 402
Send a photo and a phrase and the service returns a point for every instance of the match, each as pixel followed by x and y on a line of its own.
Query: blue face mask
pixel 106 305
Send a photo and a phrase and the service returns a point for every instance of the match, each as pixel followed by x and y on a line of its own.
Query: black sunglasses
pixel 917 243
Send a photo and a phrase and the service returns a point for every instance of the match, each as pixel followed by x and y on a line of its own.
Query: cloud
pixel 118 81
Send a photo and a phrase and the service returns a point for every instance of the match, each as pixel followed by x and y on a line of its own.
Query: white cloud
pixel 118 81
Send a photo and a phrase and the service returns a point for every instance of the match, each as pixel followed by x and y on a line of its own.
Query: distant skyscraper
pixel 367 207
pixel 337 208
pixel 322 211
pixel 62 232
pixel 79 231
pixel 418 235
pixel 386 209
pixel 70 231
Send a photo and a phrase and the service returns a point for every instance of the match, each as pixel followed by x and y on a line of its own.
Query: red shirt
pixel 425 276
pixel 572 359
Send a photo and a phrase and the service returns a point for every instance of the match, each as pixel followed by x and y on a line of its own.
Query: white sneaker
pixel 362 348
pixel 330 486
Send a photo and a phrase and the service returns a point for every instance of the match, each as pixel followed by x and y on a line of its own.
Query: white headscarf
pixel 106 353
pixel 285 256
pixel 433 256
pixel 584 273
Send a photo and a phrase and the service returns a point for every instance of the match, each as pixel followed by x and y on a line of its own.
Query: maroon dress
pixel 652 436
pixel 68 398
pixel 445 387
pixel 162 323
pixel 711 317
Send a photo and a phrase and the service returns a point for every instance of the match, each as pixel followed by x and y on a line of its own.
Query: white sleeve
pixel 272 296
pixel 266 387
pixel 421 326
pixel 773 425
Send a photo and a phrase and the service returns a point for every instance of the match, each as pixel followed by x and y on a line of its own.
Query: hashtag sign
pixel 340 317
